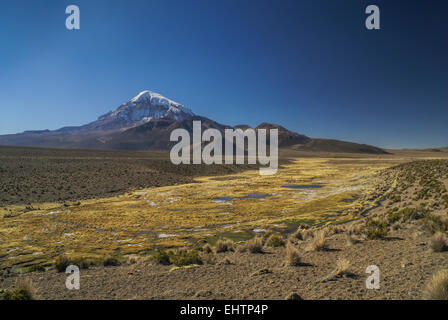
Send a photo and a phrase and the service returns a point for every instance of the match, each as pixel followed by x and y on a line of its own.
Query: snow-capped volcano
pixel 144 107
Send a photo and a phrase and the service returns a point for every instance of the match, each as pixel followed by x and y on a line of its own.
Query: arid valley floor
pixel 141 228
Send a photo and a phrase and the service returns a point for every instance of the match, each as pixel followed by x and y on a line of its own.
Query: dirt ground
pixel 405 264
pixel 35 175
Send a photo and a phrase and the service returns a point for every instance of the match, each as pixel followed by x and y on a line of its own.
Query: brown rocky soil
pixel 405 264
pixel 35 175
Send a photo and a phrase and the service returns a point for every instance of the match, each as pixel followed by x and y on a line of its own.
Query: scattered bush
pixel 298 234
pixel 275 241
pixel 293 296
pixel 255 245
pixel 185 257
pixel 210 258
pixel 110 261
pixel 84 263
pixel 23 290
pixel 355 228
pixel 180 257
pixel 342 267
pixel 161 257
pixel 292 255
pixel 303 232
pixel 319 242
pixel 437 286
pixel 435 223
pixel 375 229
pixel 35 268
pixel 207 249
pixel 406 214
pixel 350 240
pixel 438 242
pixel 61 263
pixel 224 246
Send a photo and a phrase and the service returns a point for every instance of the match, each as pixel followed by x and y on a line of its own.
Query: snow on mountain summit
pixel 147 106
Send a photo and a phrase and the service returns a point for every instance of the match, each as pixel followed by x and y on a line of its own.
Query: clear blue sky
pixel 309 65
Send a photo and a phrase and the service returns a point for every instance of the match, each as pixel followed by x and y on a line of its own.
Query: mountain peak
pixel 144 107
pixel 147 95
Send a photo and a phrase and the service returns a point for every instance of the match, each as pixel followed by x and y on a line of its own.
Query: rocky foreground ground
pixel 404 257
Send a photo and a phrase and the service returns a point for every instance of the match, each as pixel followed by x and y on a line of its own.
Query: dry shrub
pixel 303 232
pixel 110 261
pixel 293 296
pixel 161 257
pixel 224 246
pixel 355 228
pixel 350 240
pixel 292 255
pixel 375 229
pixel 242 248
pixel 255 245
pixel 184 257
pixel 335 230
pixel 209 258
pixel 437 286
pixel 435 222
pixel 298 234
pixel 342 267
pixel 61 263
pixel 438 242
pixel 207 249
pixel 319 242
pixel 23 290
pixel 308 234
pixel 135 259
pixel 275 241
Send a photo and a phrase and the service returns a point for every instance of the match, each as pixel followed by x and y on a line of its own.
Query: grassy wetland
pixel 323 209
pixel 315 191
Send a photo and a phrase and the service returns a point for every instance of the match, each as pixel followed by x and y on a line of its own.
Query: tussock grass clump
pixel 355 228
pixel 298 234
pixel 342 267
pixel 110 261
pixel 303 232
pixel 255 245
pixel 437 286
pixel 224 246
pixel 319 242
pixel 23 290
pixel 292 255
pixel 308 234
pixel 61 263
pixel 438 242
pixel 35 268
pixel 84 263
pixel 207 249
pixel 275 241
pixel 161 257
pixel 396 215
pixel 335 229
pixel 209 258
pixel 350 240
pixel 135 259
pixel 375 229
pixel 435 223
pixel 293 296
pixel 180 257
pixel 184 257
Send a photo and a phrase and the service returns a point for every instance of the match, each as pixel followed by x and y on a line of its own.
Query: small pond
pixel 303 186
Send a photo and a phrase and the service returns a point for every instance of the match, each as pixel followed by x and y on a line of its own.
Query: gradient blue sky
pixel 309 65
